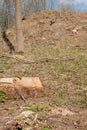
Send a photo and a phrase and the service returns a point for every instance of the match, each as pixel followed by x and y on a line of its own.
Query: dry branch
pixel 39 60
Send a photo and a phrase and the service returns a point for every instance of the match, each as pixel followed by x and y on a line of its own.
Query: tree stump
pixel 21 87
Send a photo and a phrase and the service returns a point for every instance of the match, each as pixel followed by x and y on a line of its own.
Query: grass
pixel 85 128
pixel 2 96
pixel 70 73
pixel 36 107
pixel 80 98
pixel 45 128
pixel 83 100
pixel 45 51
pixel 55 75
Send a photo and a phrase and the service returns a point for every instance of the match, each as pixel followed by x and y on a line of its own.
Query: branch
pixel 38 61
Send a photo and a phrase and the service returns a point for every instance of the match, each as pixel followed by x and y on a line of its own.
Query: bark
pixel 19 28
pixel 8 6
pixel 22 87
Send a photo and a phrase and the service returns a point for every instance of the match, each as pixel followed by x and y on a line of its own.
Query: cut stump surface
pixel 21 87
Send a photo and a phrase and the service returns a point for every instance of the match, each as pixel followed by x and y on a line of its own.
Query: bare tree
pixel 8 2
pixel 66 6
pixel 6 14
pixel 19 29
pixel 7 10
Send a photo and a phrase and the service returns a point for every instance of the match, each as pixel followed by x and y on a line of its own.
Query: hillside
pixel 55 51
pixel 52 27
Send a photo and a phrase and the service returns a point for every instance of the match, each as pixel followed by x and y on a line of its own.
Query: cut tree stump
pixel 21 87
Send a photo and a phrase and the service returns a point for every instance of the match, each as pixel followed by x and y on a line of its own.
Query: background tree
pixel 19 30
pixel 66 6
pixel 6 14
pixel 7 10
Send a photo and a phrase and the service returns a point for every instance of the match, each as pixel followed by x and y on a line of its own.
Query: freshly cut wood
pixel 6 80
pixel 29 82
pixel 22 87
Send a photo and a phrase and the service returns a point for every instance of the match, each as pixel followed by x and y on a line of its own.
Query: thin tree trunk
pixel 8 6
pixel 19 29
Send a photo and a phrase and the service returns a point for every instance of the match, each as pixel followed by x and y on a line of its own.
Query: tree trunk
pixel 8 13
pixel 19 30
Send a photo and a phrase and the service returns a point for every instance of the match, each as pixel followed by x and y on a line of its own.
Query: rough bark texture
pixel 19 30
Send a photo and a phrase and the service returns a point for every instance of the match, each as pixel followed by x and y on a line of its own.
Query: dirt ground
pixel 56 52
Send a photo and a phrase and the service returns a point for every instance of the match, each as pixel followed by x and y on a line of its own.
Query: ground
pixel 58 56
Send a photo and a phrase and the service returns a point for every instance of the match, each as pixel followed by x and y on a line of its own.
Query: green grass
pixel 45 128
pixel 56 74
pixel 36 107
pixel 80 98
pixel 2 96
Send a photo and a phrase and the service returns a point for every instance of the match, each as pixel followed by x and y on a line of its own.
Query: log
pixel 21 87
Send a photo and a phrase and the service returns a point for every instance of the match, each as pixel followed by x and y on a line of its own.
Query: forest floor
pixel 57 43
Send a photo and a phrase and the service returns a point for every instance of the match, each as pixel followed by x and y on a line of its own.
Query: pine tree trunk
pixel 19 29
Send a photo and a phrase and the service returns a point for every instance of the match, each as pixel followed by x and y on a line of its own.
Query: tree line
pixel 7 10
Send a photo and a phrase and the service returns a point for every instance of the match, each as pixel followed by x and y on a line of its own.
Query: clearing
pixel 56 52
